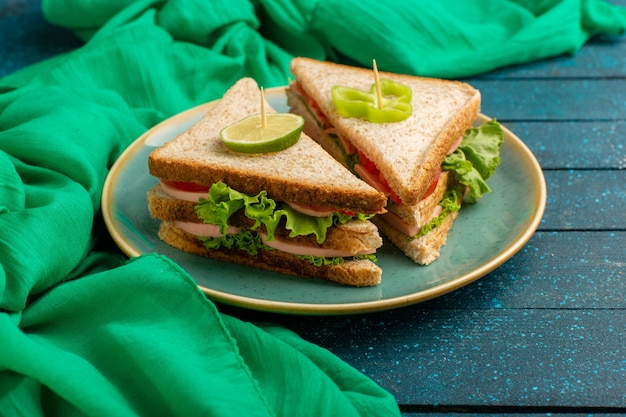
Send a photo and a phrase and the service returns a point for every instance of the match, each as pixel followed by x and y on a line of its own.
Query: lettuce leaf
pixel 251 242
pixel 223 202
pixel 473 162
pixel 476 159
pixel 449 204
pixel 322 260
pixel 246 240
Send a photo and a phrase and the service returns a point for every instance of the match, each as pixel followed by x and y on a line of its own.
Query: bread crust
pixel 419 214
pixel 423 250
pixel 303 173
pixel 359 273
pixel 410 152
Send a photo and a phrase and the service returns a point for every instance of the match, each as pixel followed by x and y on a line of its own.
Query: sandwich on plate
pixel 275 201
pixel 410 137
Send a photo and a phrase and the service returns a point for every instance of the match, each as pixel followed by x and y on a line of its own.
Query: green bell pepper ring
pixel 352 102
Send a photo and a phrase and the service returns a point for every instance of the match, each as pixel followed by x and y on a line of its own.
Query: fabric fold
pixel 112 343
pixel 449 39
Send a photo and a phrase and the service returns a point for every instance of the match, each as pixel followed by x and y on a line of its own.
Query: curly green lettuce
pixel 449 204
pixel 223 202
pixel 251 242
pixel 322 260
pixel 472 163
pixel 246 240
pixel 476 159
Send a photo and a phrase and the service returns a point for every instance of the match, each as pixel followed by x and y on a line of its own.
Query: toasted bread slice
pixel 303 173
pixel 359 273
pixel 407 153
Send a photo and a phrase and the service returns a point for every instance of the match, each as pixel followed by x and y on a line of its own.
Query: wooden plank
pixel 562 99
pixel 526 411
pixel 555 270
pixel 586 145
pixel 26 37
pixel 519 337
pixel 487 357
pixel 585 200
pixel 602 57
pixel 504 357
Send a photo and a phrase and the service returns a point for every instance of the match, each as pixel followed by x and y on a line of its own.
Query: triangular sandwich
pixel 415 158
pixel 296 211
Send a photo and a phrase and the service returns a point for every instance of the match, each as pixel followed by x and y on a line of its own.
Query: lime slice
pixel 248 135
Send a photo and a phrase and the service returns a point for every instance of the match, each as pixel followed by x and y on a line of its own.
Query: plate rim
pixel 287 307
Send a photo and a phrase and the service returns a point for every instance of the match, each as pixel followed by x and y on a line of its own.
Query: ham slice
pixel 211 230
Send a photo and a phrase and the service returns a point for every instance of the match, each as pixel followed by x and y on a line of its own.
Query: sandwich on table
pixel 409 137
pixel 294 210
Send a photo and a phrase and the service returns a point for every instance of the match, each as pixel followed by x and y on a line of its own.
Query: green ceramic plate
pixel 483 237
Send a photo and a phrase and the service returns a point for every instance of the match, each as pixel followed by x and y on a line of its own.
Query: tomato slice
pixel 369 165
pixel 311 104
pixel 187 186
pixel 371 168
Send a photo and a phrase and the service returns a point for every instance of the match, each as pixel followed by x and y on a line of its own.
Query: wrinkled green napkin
pixel 84 331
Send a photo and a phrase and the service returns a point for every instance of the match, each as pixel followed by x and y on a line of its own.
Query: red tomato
pixel 187 186
pixel 369 165
pixel 313 106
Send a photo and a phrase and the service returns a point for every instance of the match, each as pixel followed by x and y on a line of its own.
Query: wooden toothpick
pixel 379 94
pixel 263 117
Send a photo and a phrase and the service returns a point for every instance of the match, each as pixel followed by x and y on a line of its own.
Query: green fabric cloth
pixel 84 331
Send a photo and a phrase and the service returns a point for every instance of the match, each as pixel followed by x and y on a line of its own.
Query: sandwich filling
pixel 471 160
pixel 270 225
pixel 194 192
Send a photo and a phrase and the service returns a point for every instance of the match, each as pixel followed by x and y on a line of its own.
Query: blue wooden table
pixel 546 331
